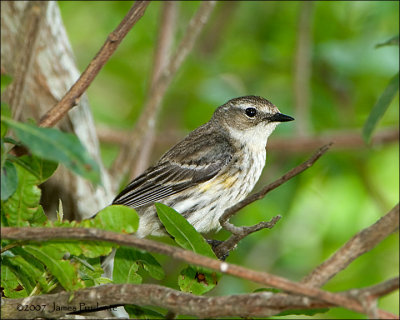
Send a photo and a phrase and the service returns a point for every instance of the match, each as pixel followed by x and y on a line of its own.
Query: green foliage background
pixel 323 207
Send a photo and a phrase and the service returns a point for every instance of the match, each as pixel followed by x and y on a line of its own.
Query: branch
pixel 361 243
pixel 73 95
pixel 147 121
pixel 261 304
pixel 342 139
pixel 43 234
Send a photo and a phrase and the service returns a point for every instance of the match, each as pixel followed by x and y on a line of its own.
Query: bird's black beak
pixel 280 117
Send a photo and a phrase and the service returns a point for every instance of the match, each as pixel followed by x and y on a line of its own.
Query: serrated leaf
pixel 9 180
pixel 197 281
pixel 9 283
pixel 39 218
pixel 20 208
pixel 125 267
pixel 25 271
pixel 58 146
pixel 380 107
pixel 183 232
pixel 40 279
pixel 51 257
pixel 115 218
pixel 136 312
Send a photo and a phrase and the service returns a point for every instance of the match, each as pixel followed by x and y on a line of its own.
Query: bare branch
pixel 146 121
pixel 259 195
pixel 42 234
pixel 361 243
pixel 71 98
pixel 342 139
pixel 222 250
pixel 260 304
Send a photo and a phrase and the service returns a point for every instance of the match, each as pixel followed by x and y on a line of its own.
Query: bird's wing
pixel 190 162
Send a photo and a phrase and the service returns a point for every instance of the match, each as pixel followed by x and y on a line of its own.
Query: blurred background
pixel 316 61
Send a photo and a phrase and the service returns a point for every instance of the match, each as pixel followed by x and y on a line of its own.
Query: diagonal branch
pixel 238 233
pixel 42 234
pixel 361 243
pixel 73 95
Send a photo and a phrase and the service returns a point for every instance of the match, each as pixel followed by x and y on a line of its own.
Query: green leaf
pixel 19 209
pixel 54 145
pixel 136 312
pixel 42 285
pixel 39 218
pixel 9 180
pixel 25 271
pixel 183 232
pixel 5 112
pixel 5 81
pixel 51 257
pixel 393 41
pixel 144 259
pixel 11 286
pixel 41 168
pixel 116 218
pixel 90 271
pixel 197 281
pixel 380 107
pixel 126 267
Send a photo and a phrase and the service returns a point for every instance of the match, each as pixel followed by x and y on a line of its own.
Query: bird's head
pixel 249 117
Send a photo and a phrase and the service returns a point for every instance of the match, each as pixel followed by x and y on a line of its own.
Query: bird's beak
pixel 280 117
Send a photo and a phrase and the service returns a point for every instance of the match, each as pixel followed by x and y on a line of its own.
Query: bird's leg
pixel 214 244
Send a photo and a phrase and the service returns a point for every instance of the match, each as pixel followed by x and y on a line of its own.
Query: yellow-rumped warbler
pixel 210 170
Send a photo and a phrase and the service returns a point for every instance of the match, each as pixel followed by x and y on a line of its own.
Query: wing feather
pixel 190 162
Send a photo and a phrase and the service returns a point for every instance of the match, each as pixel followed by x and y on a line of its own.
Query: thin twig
pixel 238 233
pixel 73 95
pixel 262 304
pixel 361 243
pixel 222 250
pixel 43 234
pixel 146 121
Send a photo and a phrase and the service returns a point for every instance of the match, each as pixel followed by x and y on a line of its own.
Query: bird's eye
pixel 251 112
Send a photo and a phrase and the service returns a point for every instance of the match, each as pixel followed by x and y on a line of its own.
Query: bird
pixel 211 169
